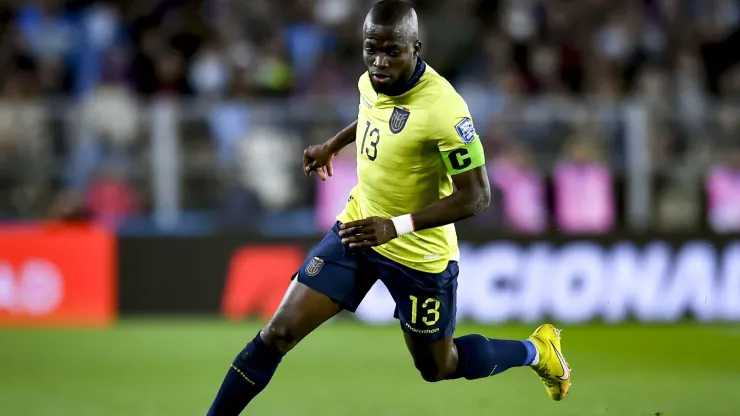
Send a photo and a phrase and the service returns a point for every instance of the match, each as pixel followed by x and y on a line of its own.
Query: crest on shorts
pixel 398 119
pixel 314 266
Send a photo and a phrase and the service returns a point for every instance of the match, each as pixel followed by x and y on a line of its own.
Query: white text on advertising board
pixel 34 288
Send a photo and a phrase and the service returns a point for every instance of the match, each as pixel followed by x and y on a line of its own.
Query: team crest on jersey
pixel 398 119
pixel 314 266
pixel 465 130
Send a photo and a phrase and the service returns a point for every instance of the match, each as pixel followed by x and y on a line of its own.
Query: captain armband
pixel 465 158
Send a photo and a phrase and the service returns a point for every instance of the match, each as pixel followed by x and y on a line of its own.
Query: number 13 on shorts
pixel 429 309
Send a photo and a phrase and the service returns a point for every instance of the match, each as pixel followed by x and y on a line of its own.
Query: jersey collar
pixel 421 66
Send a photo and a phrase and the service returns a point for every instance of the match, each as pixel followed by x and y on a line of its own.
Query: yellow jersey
pixel 408 146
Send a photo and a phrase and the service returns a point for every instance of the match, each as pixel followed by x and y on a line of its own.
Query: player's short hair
pixel 390 12
pixel 395 13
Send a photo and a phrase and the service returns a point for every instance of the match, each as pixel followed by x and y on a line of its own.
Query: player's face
pixel 390 57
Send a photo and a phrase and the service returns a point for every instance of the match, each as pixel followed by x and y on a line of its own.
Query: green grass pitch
pixel 174 367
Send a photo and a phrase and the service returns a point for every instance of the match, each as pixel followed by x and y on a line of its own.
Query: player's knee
pixel 432 376
pixel 278 335
pixel 430 372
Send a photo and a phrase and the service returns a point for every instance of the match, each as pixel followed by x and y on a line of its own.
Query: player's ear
pixel 417 49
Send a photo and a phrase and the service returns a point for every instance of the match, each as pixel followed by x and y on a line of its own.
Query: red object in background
pixel 257 279
pixel 57 274
pixel 111 201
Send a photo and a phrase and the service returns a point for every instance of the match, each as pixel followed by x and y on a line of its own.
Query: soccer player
pixel 415 139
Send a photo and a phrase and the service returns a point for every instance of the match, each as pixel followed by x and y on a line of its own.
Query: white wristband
pixel 404 224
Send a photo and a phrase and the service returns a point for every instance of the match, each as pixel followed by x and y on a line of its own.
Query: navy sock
pixel 248 375
pixel 480 357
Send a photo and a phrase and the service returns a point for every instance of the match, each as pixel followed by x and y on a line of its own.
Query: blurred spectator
pixel 683 163
pixel 584 200
pixel 209 71
pixel 690 91
pixel 99 32
pixel 306 42
pixel 269 159
pixel 24 136
pixel 272 73
pixel 169 70
pixel 25 147
pixel 332 13
pixel 229 118
pixel 522 189
pixel 723 191
pixel 50 36
pixel 108 124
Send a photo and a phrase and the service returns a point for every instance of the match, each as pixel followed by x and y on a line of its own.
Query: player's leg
pixel 326 283
pixel 301 311
pixel 470 356
pixel 426 310
pixel 475 356
pixel 427 316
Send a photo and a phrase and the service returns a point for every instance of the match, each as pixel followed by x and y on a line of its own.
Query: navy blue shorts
pixel 425 302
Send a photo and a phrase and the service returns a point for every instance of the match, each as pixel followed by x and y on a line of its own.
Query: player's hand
pixel 317 159
pixel 372 231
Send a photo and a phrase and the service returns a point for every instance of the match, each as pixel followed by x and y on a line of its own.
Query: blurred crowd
pixel 578 102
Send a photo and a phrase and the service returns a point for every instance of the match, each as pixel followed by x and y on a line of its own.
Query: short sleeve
pixel 454 133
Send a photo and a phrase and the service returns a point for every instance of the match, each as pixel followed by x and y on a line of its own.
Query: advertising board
pixel 567 279
pixel 57 275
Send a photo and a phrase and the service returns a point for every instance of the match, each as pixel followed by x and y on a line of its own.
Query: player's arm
pixel 472 196
pixel 462 153
pixel 343 138
pixel 466 164
pixel 317 158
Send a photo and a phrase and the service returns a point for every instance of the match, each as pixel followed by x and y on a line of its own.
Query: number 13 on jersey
pixel 372 138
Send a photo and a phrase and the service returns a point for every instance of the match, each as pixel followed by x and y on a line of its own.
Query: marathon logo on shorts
pixel 314 266
pixel 398 119
pixel 465 130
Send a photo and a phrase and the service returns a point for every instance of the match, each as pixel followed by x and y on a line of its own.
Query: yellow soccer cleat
pixel 552 367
